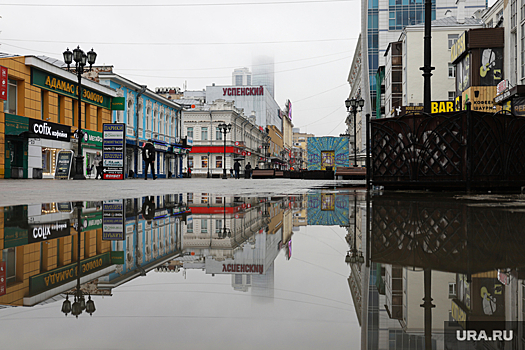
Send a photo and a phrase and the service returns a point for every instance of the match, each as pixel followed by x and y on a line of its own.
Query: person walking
pixel 100 170
pixel 148 154
pixel 237 168
pixel 148 208
pixel 248 171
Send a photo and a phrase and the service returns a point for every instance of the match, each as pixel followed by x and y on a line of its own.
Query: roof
pixel 450 21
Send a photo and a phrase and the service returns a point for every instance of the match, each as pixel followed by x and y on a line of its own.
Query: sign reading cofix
pixel 48 130
pixel 3 83
pixel 48 231
pixel 113 151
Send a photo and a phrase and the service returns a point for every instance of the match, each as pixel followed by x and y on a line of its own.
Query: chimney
pixel 460 6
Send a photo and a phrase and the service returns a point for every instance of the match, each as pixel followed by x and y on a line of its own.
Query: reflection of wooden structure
pixel 446 234
pixel 456 150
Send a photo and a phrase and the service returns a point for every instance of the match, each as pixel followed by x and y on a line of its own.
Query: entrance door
pixel 14 158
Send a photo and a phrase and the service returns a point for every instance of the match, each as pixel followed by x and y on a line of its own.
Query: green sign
pixel 14 237
pixel 51 279
pixel 117 257
pixel 92 221
pixel 118 103
pixel 91 138
pixel 61 86
pixel 15 124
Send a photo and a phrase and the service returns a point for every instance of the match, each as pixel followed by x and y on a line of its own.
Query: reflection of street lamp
pixel 357 255
pixel 208 165
pixel 79 303
pixel 224 128
pixel 354 103
pixel 224 231
pixel 81 59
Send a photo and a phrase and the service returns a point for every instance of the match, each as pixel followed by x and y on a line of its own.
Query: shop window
pixel 204 161
pixel 9 257
pixel 218 162
pixel 218 226
pixel 190 161
pixel 204 226
pixel 10 106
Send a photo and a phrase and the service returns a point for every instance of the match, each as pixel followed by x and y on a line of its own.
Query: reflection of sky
pixel 311 309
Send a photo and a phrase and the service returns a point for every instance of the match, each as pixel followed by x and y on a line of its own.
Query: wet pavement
pixel 258 264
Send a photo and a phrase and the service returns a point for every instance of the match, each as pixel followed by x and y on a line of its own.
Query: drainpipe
pixel 139 93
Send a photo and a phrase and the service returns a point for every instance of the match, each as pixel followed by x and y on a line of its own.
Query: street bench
pixel 349 173
pixel 263 173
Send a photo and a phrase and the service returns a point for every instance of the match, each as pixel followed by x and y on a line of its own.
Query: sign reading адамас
pixel 62 86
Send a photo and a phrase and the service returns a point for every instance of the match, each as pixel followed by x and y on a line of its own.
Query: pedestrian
pixel 248 171
pixel 100 170
pixel 189 172
pixel 148 208
pixel 148 154
pixel 231 172
pixel 237 168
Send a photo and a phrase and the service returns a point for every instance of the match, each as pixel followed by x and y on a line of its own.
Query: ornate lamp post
pixel 79 302
pixel 225 232
pixel 224 128
pixel 81 60
pixel 354 103
pixel 266 146
pixel 357 255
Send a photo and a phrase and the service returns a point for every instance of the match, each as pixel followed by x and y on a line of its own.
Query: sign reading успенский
pixel 62 86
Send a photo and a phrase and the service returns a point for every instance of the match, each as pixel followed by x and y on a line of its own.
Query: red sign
pixel 502 86
pixel 113 176
pixel 249 153
pixel 3 279
pixel 3 85
pixel 503 277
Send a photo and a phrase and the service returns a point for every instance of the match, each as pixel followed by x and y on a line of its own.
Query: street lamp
pixel 208 176
pixel 79 301
pixel 266 146
pixel 224 128
pixel 357 255
pixel 81 60
pixel 224 231
pixel 354 103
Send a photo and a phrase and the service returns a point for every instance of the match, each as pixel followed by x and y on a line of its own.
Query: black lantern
pixel 224 128
pixel 354 103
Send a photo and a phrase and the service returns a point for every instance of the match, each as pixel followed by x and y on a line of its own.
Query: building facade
pixel 40 115
pixel 327 152
pixel 263 68
pixel 241 77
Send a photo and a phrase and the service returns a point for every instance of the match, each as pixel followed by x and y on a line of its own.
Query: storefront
pixel 91 150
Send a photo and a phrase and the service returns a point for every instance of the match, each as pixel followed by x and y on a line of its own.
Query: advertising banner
pixel 113 220
pixel 47 231
pixel 48 130
pixel 114 151
pixel 3 83
pixel 63 166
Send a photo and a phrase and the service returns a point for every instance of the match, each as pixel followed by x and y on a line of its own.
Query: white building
pixel 241 77
pixel 207 155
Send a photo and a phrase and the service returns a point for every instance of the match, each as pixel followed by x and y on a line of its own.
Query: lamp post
pixel 224 128
pixel 225 232
pixel 209 175
pixel 81 60
pixel 357 255
pixel 79 302
pixel 354 103
pixel 266 146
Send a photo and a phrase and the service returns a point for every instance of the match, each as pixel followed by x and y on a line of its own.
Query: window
pixel 218 162
pixel 452 290
pixel 204 133
pixel 452 39
pixel 190 161
pixel 451 95
pixel 9 255
pixel 238 80
pixel 451 70
pixel 218 200
pixel 249 80
pixel 218 226
pixel 204 198
pixel 204 226
pixel 190 197
pixel 204 161
pixel 131 117
pixel 189 226
pixel 189 132
pixel 218 134
pixel 10 104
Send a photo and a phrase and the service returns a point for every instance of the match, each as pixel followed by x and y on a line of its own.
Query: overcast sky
pixel 188 43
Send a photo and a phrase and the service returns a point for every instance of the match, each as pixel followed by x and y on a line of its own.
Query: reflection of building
pixel 152 229
pixel 38 249
pixel 328 208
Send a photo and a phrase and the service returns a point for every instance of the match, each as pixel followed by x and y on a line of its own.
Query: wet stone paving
pixel 330 268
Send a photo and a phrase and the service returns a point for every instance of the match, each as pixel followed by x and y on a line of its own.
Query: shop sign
pixel 91 137
pixel 503 277
pixel 459 47
pixel 244 91
pixel 113 154
pixel 113 220
pixel 61 86
pixel 480 97
pixel 15 124
pixel 3 83
pixel 502 86
pixel 48 130
pixel 48 280
pixel 3 278
pixel 48 231
pixel 518 106
pixel 117 258
pixel 118 103
pixel 14 237
pixel 92 222
pixel 244 268
pixel 63 166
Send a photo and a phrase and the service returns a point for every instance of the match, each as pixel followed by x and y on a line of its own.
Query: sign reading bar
pixel 63 167
pixel 113 146
pixel 3 83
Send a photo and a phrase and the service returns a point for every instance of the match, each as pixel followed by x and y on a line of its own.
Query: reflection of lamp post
pixel 81 59
pixel 208 161
pixel 357 255
pixel 224 128
pixel 80 304
pixel 354 103
pixel 224 231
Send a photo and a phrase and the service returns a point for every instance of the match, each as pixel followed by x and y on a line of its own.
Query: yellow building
pixel 41 111
pixel 39 251
pixel 300 142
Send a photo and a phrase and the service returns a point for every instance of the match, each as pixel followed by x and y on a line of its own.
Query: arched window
pixel 131 113
pixel 148 118
pixel 154 121
pixel 172 134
